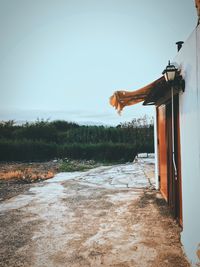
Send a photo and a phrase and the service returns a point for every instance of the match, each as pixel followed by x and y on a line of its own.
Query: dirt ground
pixel 108 216
pixel 16 178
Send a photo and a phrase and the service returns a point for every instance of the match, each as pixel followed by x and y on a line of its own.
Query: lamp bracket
pixel 179 83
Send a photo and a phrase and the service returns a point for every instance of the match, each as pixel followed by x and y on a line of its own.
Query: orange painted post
pixel 162 150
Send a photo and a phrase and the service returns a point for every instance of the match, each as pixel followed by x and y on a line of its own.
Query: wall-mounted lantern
pixel 170 72
pixel 172 76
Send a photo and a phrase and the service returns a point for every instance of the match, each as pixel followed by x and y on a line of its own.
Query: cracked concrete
pixel 108 216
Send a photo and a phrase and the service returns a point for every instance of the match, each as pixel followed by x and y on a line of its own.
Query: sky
pixel 63 59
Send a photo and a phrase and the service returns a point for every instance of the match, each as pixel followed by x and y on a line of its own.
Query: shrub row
pixel 29 150
pixel 62 132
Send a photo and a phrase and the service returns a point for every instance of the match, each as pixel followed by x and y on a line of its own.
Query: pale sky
pixel 63 59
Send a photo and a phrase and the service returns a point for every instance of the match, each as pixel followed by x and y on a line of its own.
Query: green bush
pixel 109 152
pixel 44 140
pixel 63 126
pixel 26 150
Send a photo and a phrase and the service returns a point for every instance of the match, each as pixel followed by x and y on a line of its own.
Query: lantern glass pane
pixel 166 76
pixel 171 75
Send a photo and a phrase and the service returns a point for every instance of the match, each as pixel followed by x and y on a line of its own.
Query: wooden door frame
pixel 162 148
pixel 174 187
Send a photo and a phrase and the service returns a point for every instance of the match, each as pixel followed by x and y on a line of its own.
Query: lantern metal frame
pixel 173 77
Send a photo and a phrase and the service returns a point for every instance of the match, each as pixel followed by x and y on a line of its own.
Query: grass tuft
pixel 76 165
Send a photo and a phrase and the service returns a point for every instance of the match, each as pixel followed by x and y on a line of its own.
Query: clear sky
pixel 62 59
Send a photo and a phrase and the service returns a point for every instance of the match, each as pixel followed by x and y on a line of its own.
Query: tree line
pixel 44 140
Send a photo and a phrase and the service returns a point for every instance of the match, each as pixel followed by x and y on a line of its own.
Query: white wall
pixel 188 59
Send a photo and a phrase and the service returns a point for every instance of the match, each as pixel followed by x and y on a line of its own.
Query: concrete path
pixel 108 216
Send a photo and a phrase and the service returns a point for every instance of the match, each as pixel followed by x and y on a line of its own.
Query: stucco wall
pixel 188 59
